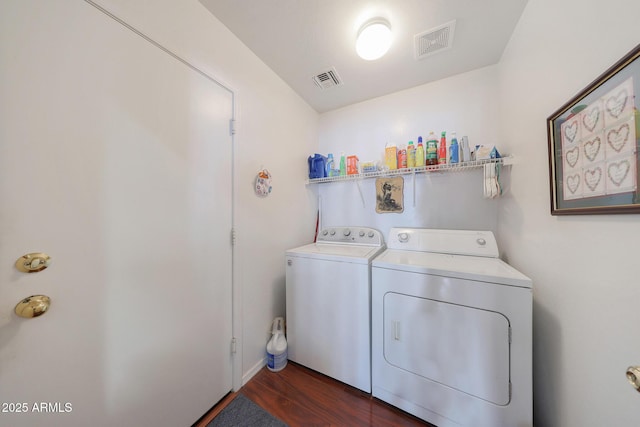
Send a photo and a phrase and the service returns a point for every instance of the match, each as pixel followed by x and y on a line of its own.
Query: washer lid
pixel 483 269
pixel 337 252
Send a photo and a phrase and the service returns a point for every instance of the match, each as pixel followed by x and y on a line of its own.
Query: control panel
pixel 458 242
pixel 353 235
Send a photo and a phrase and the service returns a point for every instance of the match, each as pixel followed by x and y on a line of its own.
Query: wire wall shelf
pixel 458 167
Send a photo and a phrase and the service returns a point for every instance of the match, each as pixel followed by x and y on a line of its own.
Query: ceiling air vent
pixel 435 40
pixel 327 79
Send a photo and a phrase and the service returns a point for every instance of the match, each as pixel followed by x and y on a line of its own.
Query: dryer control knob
pixel 403 237
pixel 361 234
pixel 325 232
pixel 332 232
pixel 346 232
pixel 481 241
pixel 370 234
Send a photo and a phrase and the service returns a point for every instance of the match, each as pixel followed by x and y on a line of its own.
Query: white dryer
pixel 451 330
pixel 328 294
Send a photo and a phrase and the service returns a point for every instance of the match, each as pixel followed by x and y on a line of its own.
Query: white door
pixel 115 159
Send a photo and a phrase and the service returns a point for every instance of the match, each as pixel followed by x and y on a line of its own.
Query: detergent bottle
pixel 402 157
pixel 420 153
pixel 442 151
pixel 454 150
pixel 411 155
pixel 432 150
pixel 277 347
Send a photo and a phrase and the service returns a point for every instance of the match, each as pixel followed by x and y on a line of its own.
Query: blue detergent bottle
pixel 454 150
pixel 316 166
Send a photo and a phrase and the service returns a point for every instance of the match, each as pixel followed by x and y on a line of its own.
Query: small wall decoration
pixel 263 183
pixel 593 145
pixel 390 195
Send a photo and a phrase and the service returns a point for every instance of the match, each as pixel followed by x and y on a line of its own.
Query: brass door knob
pixel 33 262
pixel 33 306
pixel 633 375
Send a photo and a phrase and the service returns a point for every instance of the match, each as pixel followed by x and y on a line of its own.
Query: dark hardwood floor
pixel 302 397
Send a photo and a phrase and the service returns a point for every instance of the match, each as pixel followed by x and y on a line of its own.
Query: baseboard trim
pixel 254 370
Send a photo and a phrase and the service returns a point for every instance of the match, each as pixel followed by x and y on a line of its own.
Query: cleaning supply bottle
pixel 411 155
pixel 277 347
pixel 419 153
pixel 465 151
pixel 329 165
pixel 402 157
pixel 442 151
pixel 431 150
pixel 454 150
pixel 343 165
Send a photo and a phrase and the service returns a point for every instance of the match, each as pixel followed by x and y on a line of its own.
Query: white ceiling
pixel 299 39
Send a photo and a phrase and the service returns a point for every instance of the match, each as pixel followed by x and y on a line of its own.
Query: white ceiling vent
pixel 435 40
pixel 327 79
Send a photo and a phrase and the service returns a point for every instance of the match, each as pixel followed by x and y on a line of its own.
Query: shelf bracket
pixel 360 191
pixel 414 188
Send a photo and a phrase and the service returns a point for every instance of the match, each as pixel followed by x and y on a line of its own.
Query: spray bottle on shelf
pixel 419 153
pixel 343 165
pixel 411 155
pixel 431 150
pixel 442 151
pixel 454 150
pixel 329 165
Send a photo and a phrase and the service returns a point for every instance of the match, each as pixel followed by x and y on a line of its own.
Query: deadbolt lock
pixel 33 262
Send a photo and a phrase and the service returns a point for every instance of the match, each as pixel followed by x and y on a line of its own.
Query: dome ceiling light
pixel 374 39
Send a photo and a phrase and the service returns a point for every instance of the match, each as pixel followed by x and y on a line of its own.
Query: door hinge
pixel 232 127
pixel 233 237
pixel 233 346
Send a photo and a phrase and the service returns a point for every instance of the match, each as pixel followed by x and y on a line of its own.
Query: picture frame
pixel 390 195
pixel 593 145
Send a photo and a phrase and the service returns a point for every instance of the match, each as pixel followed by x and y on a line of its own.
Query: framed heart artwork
pixel 593 145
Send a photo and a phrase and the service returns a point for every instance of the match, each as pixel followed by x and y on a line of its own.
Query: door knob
pixel 33 306
pixel 33 262
pixel 633 375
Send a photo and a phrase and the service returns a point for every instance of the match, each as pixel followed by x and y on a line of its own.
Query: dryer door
pixel 461 347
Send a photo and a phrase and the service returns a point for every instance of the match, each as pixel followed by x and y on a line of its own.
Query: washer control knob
pixel 346 232
pixel 403 237
pixel 371 234
pixel 361 234
pixel 481 241
pixel 325 232
pixel 332 232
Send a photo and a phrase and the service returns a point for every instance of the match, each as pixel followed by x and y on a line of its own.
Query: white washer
pixel 328 286
pixel 451 330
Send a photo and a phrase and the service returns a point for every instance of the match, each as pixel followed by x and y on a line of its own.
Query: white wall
pixel 276 130
pixel 584 268
pixel 464 103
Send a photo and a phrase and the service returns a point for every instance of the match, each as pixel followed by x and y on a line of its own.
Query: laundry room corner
pixel 268 223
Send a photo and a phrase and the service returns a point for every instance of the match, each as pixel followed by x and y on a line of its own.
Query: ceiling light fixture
pixel 374 39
